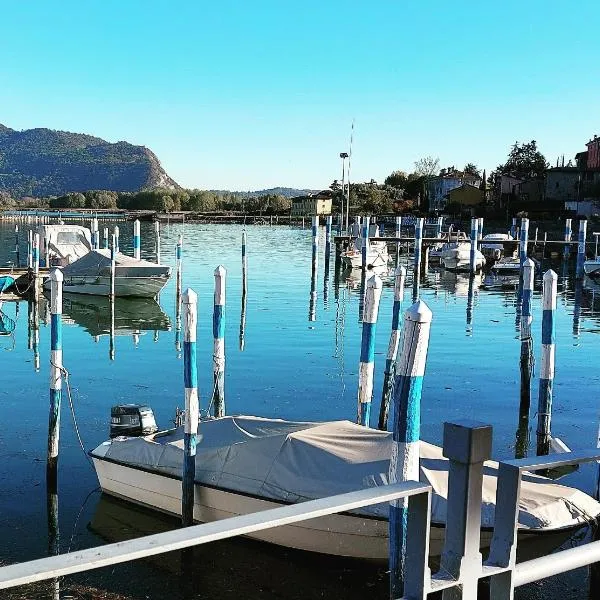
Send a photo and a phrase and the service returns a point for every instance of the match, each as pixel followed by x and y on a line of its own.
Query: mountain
pixel 44 162
pixel 276 191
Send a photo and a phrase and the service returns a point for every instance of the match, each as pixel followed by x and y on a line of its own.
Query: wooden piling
pixel 56 366
pixel 367 349
pixel 388 375
pixel 219 342
pixel 137 250
pixel 581 248
pixel 547 369
pixel 190 376
pixel 406 432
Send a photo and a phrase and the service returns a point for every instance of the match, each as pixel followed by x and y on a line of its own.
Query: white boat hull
pixel 344 535
pixel 140 287
pixel 375 258
pixel 459 263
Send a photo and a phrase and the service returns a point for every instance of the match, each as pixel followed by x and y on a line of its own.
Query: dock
pixel 24 281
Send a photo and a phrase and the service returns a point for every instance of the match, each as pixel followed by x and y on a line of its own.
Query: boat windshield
pixel 71 238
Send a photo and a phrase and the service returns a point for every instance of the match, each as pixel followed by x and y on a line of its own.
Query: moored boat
pixel 63 244
pixel 248 464
pixel 456 256
pixel 492 244
pixel 592 267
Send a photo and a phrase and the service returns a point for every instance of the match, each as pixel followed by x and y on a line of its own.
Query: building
pixel 314 204
pixel 562 184
pixel 506 189
pixel 532 190
pixel 467 195
pixel 448 179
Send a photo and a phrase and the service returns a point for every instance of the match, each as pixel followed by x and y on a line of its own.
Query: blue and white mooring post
pixel 367 349
pixel 116 234
pixel 365 242
pixel 178 264
pixel 406 432
pixel 438 227
pixel 30 249
pixel 105 236
pixel 312 306
pixel 113 265
pixel 219 342
pixel 473 255
pixel 513 228
pixel 547 370
pixel 244 293
pixel 190 431
pixel 17 252
pixel 157 241
pixel 581 248
pixel 35 256
pixel 480 228
pixel 418 244
pixel 523 240
pixel 137 249
pixel 328 221
pixel 388 375
pixel 56 367
pixel 568 236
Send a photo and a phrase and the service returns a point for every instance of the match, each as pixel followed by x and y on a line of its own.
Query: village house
pixel 313 204
pixel 448 179
pixel 467 195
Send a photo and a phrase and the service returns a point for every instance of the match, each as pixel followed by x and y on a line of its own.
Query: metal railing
pixel 467 445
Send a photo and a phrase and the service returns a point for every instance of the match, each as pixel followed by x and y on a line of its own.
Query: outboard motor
pixel 132 420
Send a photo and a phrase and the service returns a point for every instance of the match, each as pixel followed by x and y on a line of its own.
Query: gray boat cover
pixel 97 262
pixel 294 461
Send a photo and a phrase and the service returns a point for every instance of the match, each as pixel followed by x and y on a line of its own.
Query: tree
pixel 427 166
pixel 524 161
pixel 397 179
pixel 471 169
pixel 336 187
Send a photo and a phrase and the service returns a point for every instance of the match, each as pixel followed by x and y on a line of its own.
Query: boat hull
pixel 592 268
pixel 345 535
pixel 140 287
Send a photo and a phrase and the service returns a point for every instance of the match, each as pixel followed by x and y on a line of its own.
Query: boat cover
pixel 6 281
pixel 295 461
pixel 97 262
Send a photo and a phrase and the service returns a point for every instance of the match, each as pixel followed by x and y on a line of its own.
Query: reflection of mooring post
pixel 190 376
pixel 53 531
pixel 404 464
pixel 581 248
pixel 388 375
pixel 157 241
pixel 36 266
pixel 470 299
pixel 137 249
pixel 244 293
pixel 327 261
pixel 526 362
pixel 577 309
pixel 56 365
pixel 111 337
pixel 36 335
pixel 312 307
pixel 547 370
pixel 568 235
pixel 219 342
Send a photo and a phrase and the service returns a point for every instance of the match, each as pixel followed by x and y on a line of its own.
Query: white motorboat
pixel 435 251
pixel 91 275
pixel 592 267
pixel 63 244
pixel 492 244
pixel 249 464
pixel 456 256
pixel 377 254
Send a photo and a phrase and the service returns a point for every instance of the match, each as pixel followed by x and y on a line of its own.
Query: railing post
pixel 190 376
pixel 219 342
pixel 388 376
pixel 404 463
pixel 367 350
pixel 467 444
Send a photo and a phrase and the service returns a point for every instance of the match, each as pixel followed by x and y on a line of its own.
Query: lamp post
pixel 344 156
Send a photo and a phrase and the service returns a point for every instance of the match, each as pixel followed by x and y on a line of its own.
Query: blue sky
pixel 248 95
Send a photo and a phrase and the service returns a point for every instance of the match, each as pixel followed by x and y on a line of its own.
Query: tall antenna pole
pixel 349 166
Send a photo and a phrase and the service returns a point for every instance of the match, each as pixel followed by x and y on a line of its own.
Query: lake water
pixel 290 367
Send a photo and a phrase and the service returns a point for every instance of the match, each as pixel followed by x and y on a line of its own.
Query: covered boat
pixel 91 275
pixel 456 256
pixel 248 464
pixel 492 244
pixel 64 244
pixel 377 252
pixel 592 267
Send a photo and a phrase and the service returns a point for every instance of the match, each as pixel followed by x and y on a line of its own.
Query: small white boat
pixel 249 464
pixel 435 251
pixel 491 244
pixel 592 267
pixel 456 256
pixel 91 275
pixel 64 244
pixel 377 254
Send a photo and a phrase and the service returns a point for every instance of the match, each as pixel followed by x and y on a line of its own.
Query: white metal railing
pixel 467 445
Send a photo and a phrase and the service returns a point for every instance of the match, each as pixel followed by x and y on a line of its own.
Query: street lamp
pixel 344 156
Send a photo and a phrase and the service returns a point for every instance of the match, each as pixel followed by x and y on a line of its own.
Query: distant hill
pixel 276 191
pixel 44 162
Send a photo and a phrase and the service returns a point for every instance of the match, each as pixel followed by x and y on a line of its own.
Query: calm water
pixel 290 367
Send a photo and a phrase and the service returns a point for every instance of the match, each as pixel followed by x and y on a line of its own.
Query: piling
pixel 36 334
pixel 365 241
pixel 326 269
pixel 137 250
pixel 523 239
pixel 438 227
pixel 473 255
pixel 480 228
pixel 367 349
pixel 190 376
pixel 404 463
pixel 56 367
pixel 178 262
pixel 30 249
pixel 470 303
pixel 513 228
pixel 328 221
pixel 157 241
pixel 581 248
pixel 568 235
pixel 418 243
pixel 219 342
pixel 116 234
pixel 526 359
pixel 399 238
pixel 105 235
pixel 244 292
pixel 388 375
pixel 547 370
pixel 312 307
pixel 111 335
pixel 94 232
pixel 113 265
pixel 17 252
pixel 35 259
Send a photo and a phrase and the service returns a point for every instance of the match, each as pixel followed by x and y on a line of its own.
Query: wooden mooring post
pixel 190 376
pixel 547 369
pixel 392 354
pixel 219 342
pixel 406 432
pixel 56 367
pixel 367 349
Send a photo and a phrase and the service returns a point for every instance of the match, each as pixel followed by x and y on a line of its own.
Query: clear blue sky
pixel 254 94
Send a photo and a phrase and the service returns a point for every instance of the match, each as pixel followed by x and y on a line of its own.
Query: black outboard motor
pixel 132 420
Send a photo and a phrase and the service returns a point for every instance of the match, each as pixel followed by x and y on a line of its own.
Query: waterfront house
pixel 467 195
pixel 313 204
pixel 448 179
